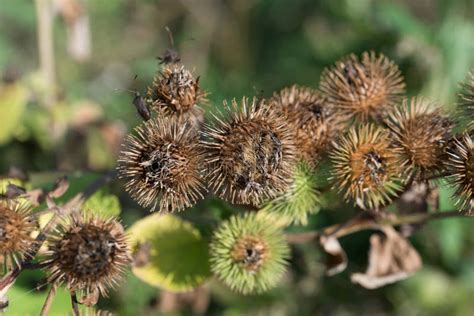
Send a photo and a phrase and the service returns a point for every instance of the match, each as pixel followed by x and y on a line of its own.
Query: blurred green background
pixel 238 47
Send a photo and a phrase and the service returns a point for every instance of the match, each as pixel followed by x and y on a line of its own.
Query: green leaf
pixel 178 258
pixel 102 204
pixel 13 99
pixel 25 302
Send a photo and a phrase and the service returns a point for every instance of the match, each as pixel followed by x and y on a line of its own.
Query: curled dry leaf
pixel 336 260
pixel 13 191
pixel 17 173
pixel 90 299
pixel 391 258
pixel 413 200
pixel 60 187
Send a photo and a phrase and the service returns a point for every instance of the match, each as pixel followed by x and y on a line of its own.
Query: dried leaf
pixel 36 196
pixel 60 187
pixel 391 258
pixel 14 191
pixel 414 200
pixel 336 260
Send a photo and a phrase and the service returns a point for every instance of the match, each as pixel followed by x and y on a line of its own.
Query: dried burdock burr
pixel 461 169
pixel 162 164
pixel 16 226
pixel 248 254
pixel 312 121
pixel 175 93
pixel 467 95
pixel 363 88
pixel 365 167
pixel 421 132
pixel 250 155
pixel 88 254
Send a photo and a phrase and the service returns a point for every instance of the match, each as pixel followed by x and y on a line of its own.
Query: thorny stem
pixel 359 224
pixel 75 304
pixel 49 300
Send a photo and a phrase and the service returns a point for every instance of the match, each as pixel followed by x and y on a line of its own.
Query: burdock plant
pixel 250 155
pixel 249 254
pixel 162 164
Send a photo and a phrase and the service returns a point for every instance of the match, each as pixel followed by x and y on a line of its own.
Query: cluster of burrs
pixel 268 151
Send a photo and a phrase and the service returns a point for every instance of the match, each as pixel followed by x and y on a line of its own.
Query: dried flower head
pixel 311 119
pixel 364 88
pixel 88 254
pixel 175 93
pixel 365 167
pixel 467 95
pixel 461 167
pixel 248 254
pixel 420 131
pixel 16 226
pixel 161 164
pixel 251 155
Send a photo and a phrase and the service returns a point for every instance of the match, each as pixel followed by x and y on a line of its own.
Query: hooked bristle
pixel 248 254
pixel 88 254
pixel 313 122
pixel 363 89
pixel 461 170
pixel 162 165
pixel 365 167
pixel 175 93
pixel 251 155
pixel 421 132
pixel 16 226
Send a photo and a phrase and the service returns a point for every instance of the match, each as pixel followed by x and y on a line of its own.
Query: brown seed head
pixel 364 88
pixel 365 167
pixel 250 252
pixel 421 133
pixel 175 93
pixel 162 165
pixel 88 254
pixel 312 121
pixel 16 227
pixel 461 167
pixel 250 156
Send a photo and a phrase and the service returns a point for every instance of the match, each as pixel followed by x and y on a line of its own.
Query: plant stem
pixel 75 305
pixel 360 224
pixel 44 13
pixel 49 300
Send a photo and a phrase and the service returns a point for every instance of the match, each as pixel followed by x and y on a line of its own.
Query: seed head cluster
pixel 421 132
pixel 248 254
pixel 175 93
pixel 363 88
pixel 162 165
pixel 88 254
pixel 365 167
pixel 16 227
pixel 312 121
pixel 461 167
pixel 251 155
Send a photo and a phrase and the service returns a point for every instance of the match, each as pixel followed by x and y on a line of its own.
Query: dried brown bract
pixel 16 226
pixel 88 254
pixel 421 132
pixel 461 167
pixel 365 167
pixel 312 121
pixel 251 155
pixel 175 93
pixel 364 88
pixel 162 165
